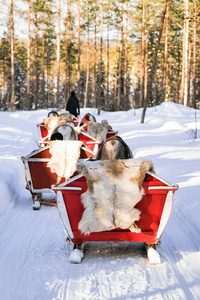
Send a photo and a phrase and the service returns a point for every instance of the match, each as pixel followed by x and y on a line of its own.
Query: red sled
pixel 43 134
pixel 155 207
pixel 39 177
pixel 91 142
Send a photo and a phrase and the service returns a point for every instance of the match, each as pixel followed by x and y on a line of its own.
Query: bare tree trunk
pixel 178 86
pixel 153 69
pixel 66 87
pixel 36 59
pixel 194 53
pixel 183 69
pixel 146 63
pixel 120 59
pixel 184 79
pixel 99 104
pixel 165 72
pixel 189 72
pixel 126 63
pixel 28 59
pixel 142 57
pixel 12 101
pixel 48 83
pixel 43 50
pixel 95 61
pixel 88 64
pixel 79 49
pixel 58 57
pixel 115 89
pixel 108 65
pixel 4 83
pixel 186 52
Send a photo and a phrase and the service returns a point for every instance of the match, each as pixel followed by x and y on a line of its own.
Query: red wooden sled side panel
pixel 42 177
pixel 40 174
pixel 42 129
pixel 89 141
pixel 151 207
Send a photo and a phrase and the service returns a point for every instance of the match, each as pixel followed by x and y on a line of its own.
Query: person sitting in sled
pixel 73 105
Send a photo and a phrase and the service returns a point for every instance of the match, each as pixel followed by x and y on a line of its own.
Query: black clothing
pixel 73 105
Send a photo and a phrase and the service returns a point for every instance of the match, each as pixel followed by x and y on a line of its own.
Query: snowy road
pixel 33 252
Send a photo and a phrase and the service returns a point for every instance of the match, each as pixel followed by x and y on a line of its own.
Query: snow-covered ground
pixel 33 252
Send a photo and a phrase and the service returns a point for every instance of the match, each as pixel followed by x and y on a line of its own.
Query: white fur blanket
pixel 97 130
pixel 65 155
pixel 114 188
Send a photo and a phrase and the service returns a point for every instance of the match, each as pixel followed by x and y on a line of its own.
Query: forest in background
pixel 114 54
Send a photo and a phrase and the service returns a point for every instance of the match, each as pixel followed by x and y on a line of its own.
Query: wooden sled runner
pixel 155 207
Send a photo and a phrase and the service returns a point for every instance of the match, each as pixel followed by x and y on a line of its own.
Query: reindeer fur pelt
pixel 51 122
pixel 114 188
pixel 65 155
pixel 97 130
pixel 114 148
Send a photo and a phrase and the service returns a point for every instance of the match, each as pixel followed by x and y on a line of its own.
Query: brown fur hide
pixel 114 188
pixel 69 117
pixel 97 130
pixel 65 155
pixel 52 122
pixel 114 148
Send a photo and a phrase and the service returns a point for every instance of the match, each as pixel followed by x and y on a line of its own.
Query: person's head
pixel 72 93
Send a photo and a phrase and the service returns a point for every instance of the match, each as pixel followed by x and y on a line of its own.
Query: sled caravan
pixel 64 139
pixel 102 193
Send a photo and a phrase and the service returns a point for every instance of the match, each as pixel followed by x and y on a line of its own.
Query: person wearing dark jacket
pixel 73 105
